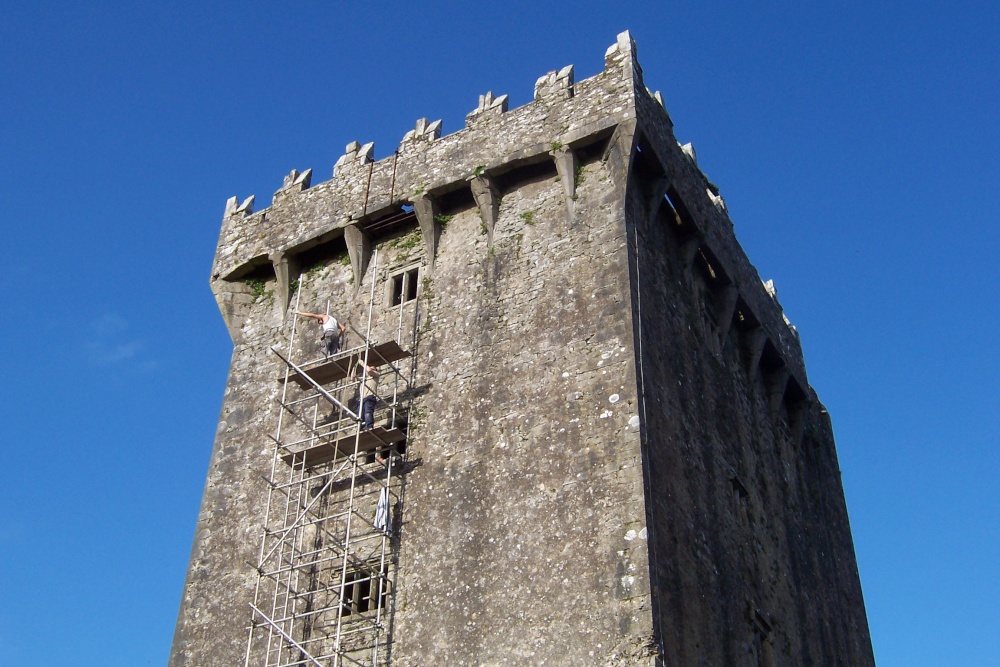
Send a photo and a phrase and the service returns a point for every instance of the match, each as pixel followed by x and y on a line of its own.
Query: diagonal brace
pixel 286 636
pixel 317 386
pixel 305 510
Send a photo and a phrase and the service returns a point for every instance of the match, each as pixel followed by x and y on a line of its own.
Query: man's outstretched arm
pixel 316 316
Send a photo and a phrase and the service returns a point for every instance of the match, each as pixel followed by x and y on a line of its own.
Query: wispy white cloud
pixel 111 343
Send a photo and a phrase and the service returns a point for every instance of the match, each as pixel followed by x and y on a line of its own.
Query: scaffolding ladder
pixel 326 566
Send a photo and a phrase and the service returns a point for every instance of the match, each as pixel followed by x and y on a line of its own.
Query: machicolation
pixel 566 423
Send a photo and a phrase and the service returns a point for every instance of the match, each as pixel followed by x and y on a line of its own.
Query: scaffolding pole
pixel 324 568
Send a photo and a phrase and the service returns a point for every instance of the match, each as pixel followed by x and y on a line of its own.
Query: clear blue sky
pixel 856 145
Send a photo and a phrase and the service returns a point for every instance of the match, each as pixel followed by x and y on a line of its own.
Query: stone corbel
pixel 488 199
pixel 797 412
pixel 689 248
pixel 655 201
pixel 725 309
pixel 285 269
pixel 565 160
pixel 776 381
pixel 359 249
pixel 754 347
pixel 234 304
pixel 425 207
pixel 619 153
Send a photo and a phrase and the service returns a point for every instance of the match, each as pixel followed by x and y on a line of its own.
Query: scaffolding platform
pixel 325 581
pixel 341 445
pixel 339 366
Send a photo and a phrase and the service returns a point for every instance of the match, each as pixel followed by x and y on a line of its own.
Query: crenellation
pixel 688 150
pixel 621 56
pixel 292 184
pixel 555 85
pixel 599 370
pixel 771 290
pixel 715 229
pixel 234 207
pixel 439 165
pixel 489 107
pixel 297 180
pixel 716 199
pixel 354 155
pixel 423 132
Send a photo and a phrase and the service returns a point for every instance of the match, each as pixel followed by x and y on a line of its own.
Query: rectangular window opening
pixel 411 285
pixel 403 286
pixel 396 290
pixel 361 591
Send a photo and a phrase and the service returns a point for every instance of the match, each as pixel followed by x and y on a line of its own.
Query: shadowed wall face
pixel 613 455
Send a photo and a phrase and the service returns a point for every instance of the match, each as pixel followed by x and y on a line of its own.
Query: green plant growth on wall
pixel 403 245
pixel 411 240
pixel 258 288
pixel 427 294
pixel 528 217
pixel 442 219
pixel 315 270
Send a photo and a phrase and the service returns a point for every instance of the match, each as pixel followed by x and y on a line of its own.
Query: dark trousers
pixel 331 342
pixel 368 411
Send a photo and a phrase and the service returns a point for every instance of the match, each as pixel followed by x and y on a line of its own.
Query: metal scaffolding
pixel 326 565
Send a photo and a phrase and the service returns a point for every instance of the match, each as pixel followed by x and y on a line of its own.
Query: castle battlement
pixel 493 141
pixel 595 410
pixel 566 121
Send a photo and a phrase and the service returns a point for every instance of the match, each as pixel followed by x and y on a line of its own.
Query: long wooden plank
pixel 339 367
pixel 328 450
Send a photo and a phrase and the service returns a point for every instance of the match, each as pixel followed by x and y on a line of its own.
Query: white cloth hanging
pixel 383 521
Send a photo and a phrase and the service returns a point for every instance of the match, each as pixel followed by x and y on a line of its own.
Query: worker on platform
pixel 367 395
pixel 332 331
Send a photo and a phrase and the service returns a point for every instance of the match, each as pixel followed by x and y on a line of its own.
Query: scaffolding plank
pixel 339 367
pixel 332 448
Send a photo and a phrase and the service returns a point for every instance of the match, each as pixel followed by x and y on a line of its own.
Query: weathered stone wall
pixel 615 454
pixel 517 543
pixel 751 547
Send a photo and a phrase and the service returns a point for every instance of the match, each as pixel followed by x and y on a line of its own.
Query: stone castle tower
pixel 594 440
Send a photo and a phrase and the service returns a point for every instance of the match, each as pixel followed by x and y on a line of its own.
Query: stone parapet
pixel 428 162
pixel 612 453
